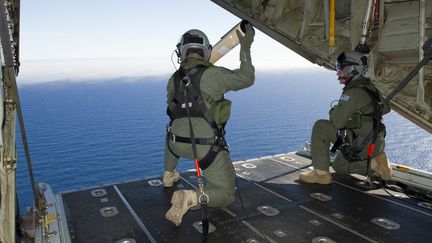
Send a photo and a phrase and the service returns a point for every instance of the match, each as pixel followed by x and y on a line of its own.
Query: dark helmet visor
pixel 192 39
pixel 342 62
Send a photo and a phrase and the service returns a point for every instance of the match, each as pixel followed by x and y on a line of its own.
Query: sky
pixel 106 39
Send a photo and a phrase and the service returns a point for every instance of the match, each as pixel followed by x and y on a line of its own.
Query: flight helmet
pixel 194 41
pixel 353 63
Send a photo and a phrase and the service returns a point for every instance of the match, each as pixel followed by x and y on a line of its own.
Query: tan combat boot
pixel 381 165
pixel 170 177
pixel 181 201
pixel 316 176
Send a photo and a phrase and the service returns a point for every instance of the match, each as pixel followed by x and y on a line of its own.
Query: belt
pixel 202 141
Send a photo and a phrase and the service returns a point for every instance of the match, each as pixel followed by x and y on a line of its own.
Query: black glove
pixel 247 39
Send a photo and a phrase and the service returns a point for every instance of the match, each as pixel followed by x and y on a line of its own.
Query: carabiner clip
pixel 203 198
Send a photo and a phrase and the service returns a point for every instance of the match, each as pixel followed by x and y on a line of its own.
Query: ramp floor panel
pixel 87 223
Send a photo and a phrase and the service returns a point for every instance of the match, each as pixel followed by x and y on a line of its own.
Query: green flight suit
pixel 215 82
pixel 345 114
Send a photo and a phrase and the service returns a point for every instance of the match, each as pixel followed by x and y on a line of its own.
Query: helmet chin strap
pixel 349 78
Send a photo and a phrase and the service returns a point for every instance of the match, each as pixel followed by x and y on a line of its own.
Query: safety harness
pixel 197 108
pixel 351 149
pixel 188 102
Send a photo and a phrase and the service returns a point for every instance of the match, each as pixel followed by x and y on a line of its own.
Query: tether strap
pixel 185 94
pixel 204 221
pixel 204 214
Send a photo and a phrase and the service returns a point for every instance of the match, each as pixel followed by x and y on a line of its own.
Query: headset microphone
pixel 177 51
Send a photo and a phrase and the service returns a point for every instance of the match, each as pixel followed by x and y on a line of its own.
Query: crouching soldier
pixel 355 127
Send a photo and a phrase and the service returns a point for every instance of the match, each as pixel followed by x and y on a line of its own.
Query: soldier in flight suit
pixel 351 118
pixel 194 50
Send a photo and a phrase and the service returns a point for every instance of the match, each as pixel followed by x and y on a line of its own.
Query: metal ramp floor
pixel 279 208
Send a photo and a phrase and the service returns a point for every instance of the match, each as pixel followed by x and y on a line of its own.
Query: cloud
pixel 100 69
pixel 39 71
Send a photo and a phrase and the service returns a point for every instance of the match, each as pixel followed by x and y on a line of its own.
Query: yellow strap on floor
pixel 403 168
pixel 50 218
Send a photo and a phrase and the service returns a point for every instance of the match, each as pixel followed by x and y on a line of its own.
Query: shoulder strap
pixel 191 80
pixel 376 99
pixel 196 92
pixel 181 76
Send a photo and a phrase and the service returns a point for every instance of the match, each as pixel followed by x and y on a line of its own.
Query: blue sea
pixel 82 133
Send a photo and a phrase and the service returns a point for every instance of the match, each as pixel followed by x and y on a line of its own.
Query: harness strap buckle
pixel 220 140
pixel 203 198
pixel 185 80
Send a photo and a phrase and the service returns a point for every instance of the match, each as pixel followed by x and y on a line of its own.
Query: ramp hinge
pixel 10 103
pixel 9 162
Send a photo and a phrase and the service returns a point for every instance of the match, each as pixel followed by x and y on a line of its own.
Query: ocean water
pixel 83 134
